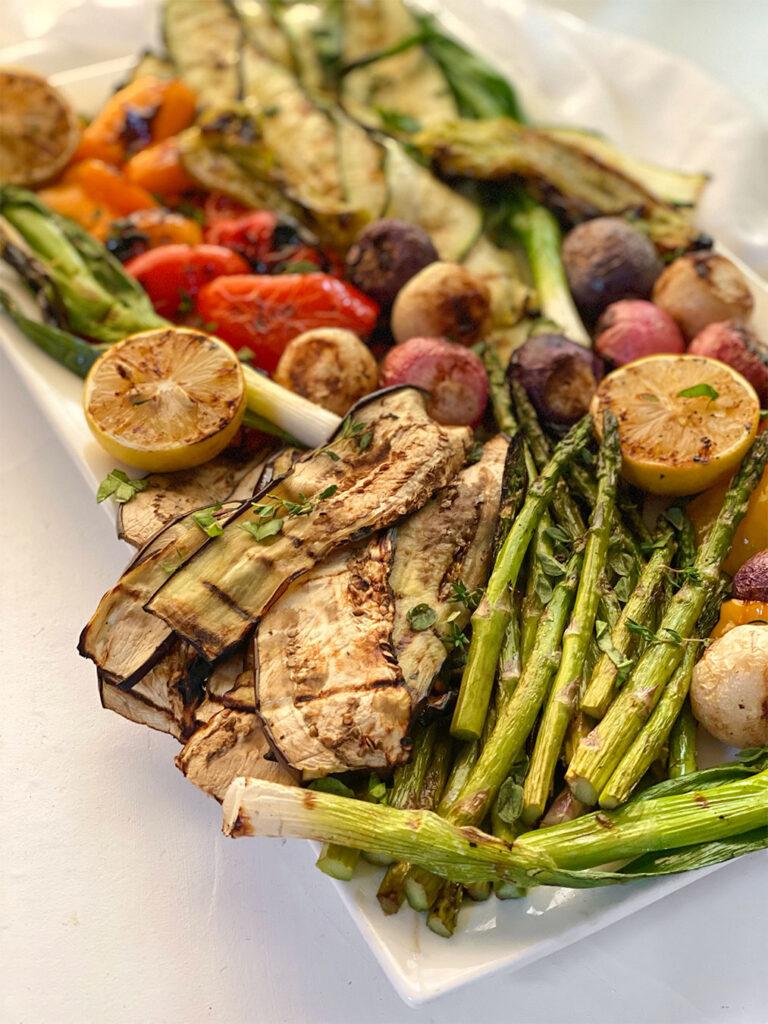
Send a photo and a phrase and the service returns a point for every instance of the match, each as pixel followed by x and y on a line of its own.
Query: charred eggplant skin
pixel 386 460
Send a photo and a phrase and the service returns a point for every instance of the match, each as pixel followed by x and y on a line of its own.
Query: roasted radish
pixel 559 376
pixel 732 343
pixel 454 377
pixel 633 328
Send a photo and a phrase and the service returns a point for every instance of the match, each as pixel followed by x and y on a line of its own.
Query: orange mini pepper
pixel 106 185
pixel 159 170
pixel 147 110
pixel 738 613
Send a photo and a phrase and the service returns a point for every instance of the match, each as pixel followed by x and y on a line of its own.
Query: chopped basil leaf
pixel 421 617
pixel 119 487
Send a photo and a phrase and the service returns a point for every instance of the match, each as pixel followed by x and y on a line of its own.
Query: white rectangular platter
pixel 492 936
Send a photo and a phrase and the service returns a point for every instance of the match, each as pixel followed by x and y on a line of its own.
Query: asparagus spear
pixel 516 718
pixel 422 787
pixel 639 609
pixel 564 507
pixel 553 856
pixel 563 696
pixel 600 753
pixel 420 887
pixel 649 743
pixel 682 743
pixel 536 587
pixel 442 919
pixel 338 861
pixel 490 619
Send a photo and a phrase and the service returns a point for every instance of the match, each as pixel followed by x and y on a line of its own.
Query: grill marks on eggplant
pixel 448 540
pixel 329 688
pixel 169 495
pixel 122 638
pixel 219 595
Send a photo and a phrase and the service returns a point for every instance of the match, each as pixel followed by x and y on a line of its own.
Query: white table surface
pixel 84 938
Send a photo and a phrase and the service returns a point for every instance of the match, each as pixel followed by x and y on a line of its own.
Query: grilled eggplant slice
pixel 408 84
pixel 166 699
pixel 447 541
pixel 204 41
pixel 169 495
pixel 560 175
pixel 231 744
pixel 387 459
pixel 328 686
pixel 121 638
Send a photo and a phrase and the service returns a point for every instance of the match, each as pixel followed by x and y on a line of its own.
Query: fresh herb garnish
pixel 421 617
pixel 455 639
pixel 699 391
pixel 119 487
pixel 606 645
pixel 361 433
pixel 550 566
pixel 652 637
pixel 207 521
pixel 263 529
pixel 463 595
pixel 475 453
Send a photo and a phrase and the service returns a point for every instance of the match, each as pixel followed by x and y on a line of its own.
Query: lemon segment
pixel 673 443
pixel 166 399
pixel 39 130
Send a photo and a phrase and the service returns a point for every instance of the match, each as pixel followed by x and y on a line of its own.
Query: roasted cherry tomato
pixel 269 244
pixel 217 206
pixel 172 275
pixel 251 235
pixel 263 312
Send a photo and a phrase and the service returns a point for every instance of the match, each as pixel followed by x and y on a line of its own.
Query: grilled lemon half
pixel 684 421
pixel 170 398
pixel 39 130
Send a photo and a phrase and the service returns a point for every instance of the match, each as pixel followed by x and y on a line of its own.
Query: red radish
pixel 452 374
pixel 633 328
pixel 732 343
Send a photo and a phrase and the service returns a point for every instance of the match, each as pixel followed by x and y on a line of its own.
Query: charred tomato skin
pixel 264 313
pixel 172 275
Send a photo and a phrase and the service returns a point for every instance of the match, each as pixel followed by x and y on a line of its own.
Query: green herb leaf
pixel 509 803
pixel 543 589
pixel 622 588
pixel 207 522
pixel 245 355
pixel 475 453
pixel 699 391
pixel 550 565
pixel 299 267
pixel 328 492
pixel 173 566
pixel 331 454
pixel 557 534
pixel 455 638
pixel 394 121
pixel 463 595
pixel 421 617
pixel 674 516
pixel 606 645
pixel 261 530
pixel 186 302
pixel 119 487
pixel 377 789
